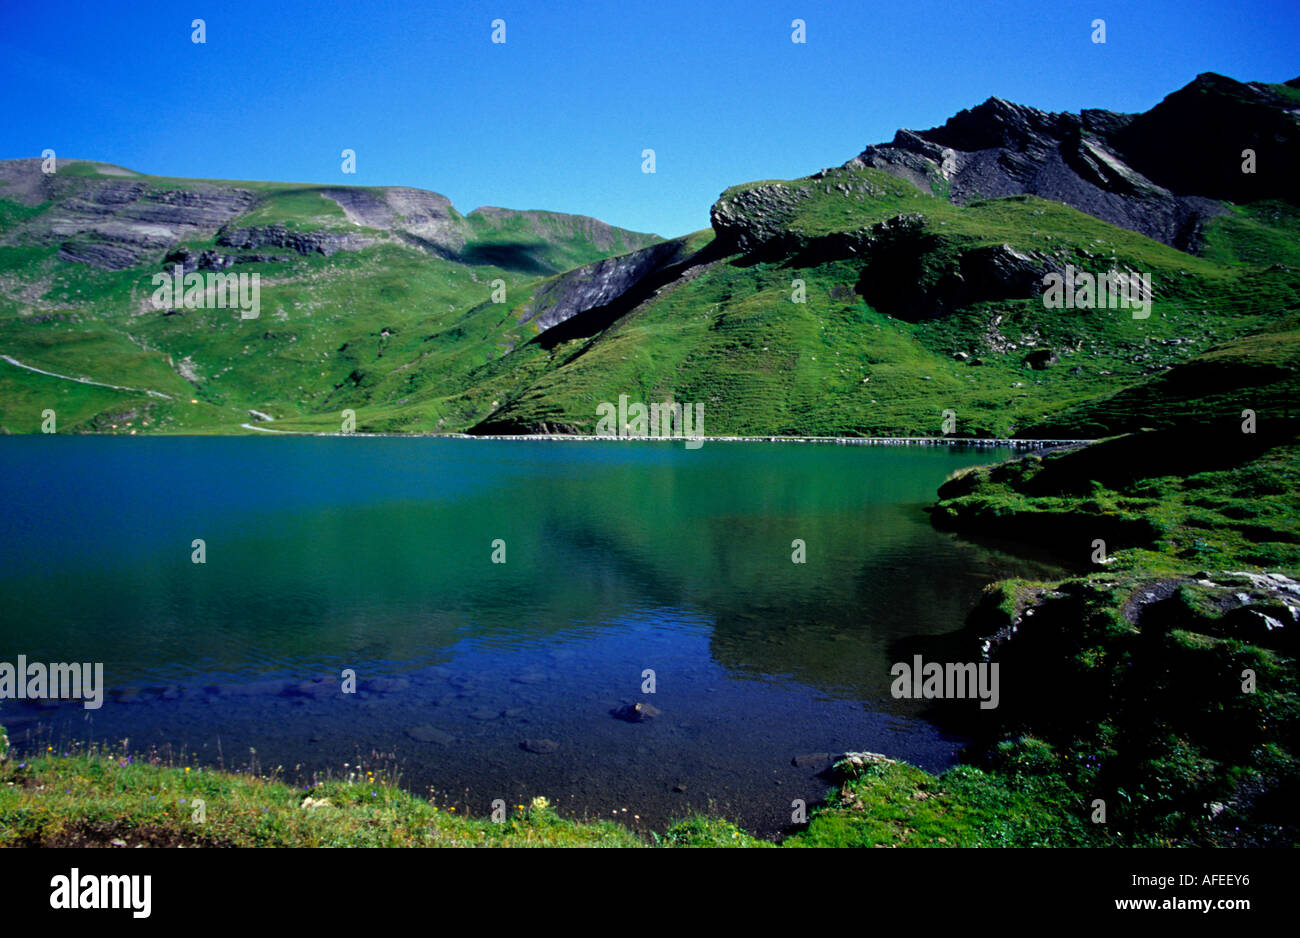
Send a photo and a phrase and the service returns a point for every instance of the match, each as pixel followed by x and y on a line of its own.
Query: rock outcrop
pixel 119 223
pixel 905 273
pixel 757 220
pixel 302 242
pixel 598 284
pixel 421 218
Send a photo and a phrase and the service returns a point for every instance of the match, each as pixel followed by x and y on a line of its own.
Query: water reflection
pixel 376 555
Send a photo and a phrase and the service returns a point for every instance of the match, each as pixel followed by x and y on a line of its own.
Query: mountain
pixel 356 283
pixel 113 219
pixel 1160 174
pixel 863 299
pixel 923 263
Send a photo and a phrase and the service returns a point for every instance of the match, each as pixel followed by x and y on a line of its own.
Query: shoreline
pixel 1010 442
pixel 841 440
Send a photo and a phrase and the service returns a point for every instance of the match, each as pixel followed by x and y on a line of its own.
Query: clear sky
pixel 558 115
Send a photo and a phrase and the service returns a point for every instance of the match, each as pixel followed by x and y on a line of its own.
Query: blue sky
pixel 557 117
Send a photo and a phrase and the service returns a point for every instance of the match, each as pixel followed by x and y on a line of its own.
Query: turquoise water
pixel 376 555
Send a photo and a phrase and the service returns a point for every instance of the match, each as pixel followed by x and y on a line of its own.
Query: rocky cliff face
pixel 596 285
pixel 423 218
pixel 120 220
pixel 1158 173
pixel 301 242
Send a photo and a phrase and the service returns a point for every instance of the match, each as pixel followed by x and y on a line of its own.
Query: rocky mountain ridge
pixel 113 219
pixel 1161 173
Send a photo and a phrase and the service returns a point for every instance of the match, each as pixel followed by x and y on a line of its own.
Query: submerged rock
pixel 539 746
pixel 821 761
pixel 430 734
pixel 637 712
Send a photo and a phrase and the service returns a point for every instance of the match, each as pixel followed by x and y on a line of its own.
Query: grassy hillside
pixel 849 302
pixel 388 322
pixel 841 362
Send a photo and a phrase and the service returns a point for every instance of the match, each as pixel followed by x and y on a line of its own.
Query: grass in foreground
pixel 107 799
pixel 103 799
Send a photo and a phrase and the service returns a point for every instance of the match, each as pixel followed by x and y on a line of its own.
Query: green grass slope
pixel 853 303
pixel 367 328
pixel 1164 683
pixel 851 359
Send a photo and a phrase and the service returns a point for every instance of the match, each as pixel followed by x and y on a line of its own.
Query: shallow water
pixel 376 555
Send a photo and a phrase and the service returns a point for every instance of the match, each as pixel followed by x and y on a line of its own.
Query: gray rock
pixel 540 746
pixel 851 764
pixel 820 761
pixel 425 733
pixel 636 712
pixel 595 285
pixel 301 242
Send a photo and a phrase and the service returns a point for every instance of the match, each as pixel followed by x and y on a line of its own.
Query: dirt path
pixel 99 384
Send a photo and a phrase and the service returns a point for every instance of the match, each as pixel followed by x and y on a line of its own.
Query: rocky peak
pixel 1160 173
pixel 1001 124
pixel 1192 141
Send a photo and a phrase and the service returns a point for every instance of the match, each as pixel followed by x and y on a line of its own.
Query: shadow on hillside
pixel 508 255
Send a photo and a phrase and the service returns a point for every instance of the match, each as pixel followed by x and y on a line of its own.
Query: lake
pixel 479 680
